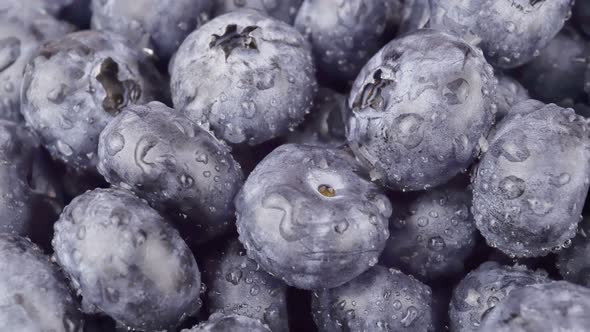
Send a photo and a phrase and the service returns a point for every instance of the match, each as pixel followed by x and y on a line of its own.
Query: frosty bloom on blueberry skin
pixel 510 33
pixel 237 285
pixel 552 306
pixel 284 10
pixel 420 108
pixel 345 34
pixel 432 235
pixel 126 261
pixel 482 289
pixel 248 76
pixel 162 25
pixel 179 167
pixel 531 184
pixel 22 32
pixel 229 323
pixel 377 300
pixel 35 295
pixel 309 217
pixel 76 85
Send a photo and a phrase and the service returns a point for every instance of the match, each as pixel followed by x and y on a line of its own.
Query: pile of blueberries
pixel 294 165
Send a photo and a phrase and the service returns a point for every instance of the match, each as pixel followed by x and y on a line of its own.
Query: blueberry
pixel 163 27
pixel 557 74
pixel 229 323
pixel 530 186
pixel 345 34
pixel 76 84
pixel 247 75
pixel 284 10
pixel 582 15
pixel 324 125
pixel 420 108
pixel 24 189
pixel 22 31
pixel 482 289
pixel 237 285
pixel 126 261
pixel 35 295
pixel 554 306
pixel 508 93
pixel 379 299
pixel 179 167
pixel 574 261
pixel 308 216
pixel 433 234
pixel 510 33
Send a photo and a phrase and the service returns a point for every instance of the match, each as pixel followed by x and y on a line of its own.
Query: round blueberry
pixel 482 289
pixel 574 261
pixel 25 185
pixel 284 10
pixel 35 295
pixel 308 216
pixel 179 167
pixel 324 126
pixel 237 285
pixel 161 25
pixel 420 108
pixel 248 76
pixel 433 234
pixel 553 306
pixel 229 323
pixel 22 32
pixel 126 261
pixel 345 34
pixel 510 33
pixel 557 74
pixel 76 85
pixel 378 300
pixel 530 186
pixel 52 7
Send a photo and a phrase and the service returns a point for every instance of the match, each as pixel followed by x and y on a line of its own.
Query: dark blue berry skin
pixel 510 33
pixel 180 168
pixel 237 285
pixel 126 261
pixel 378 300
pixel 420 108
pixel 482 289
pixel 508 93
pixel 284 10
pixel 162 28
pixel 248 76
pixel 345 34
pixel 574 261
pixel 76 85
pixel 31 200
pixel 531 184
pixel 309 217
pixel 230 323
pixel 554 306
pixel 557 74
pixel 35 295
pixel 433 234
pixel 324 126
pixel 582 16
pixel 78 13
pixel 22 32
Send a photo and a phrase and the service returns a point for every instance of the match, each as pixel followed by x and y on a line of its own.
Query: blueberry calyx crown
pixel 117 92
pixel 232 39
